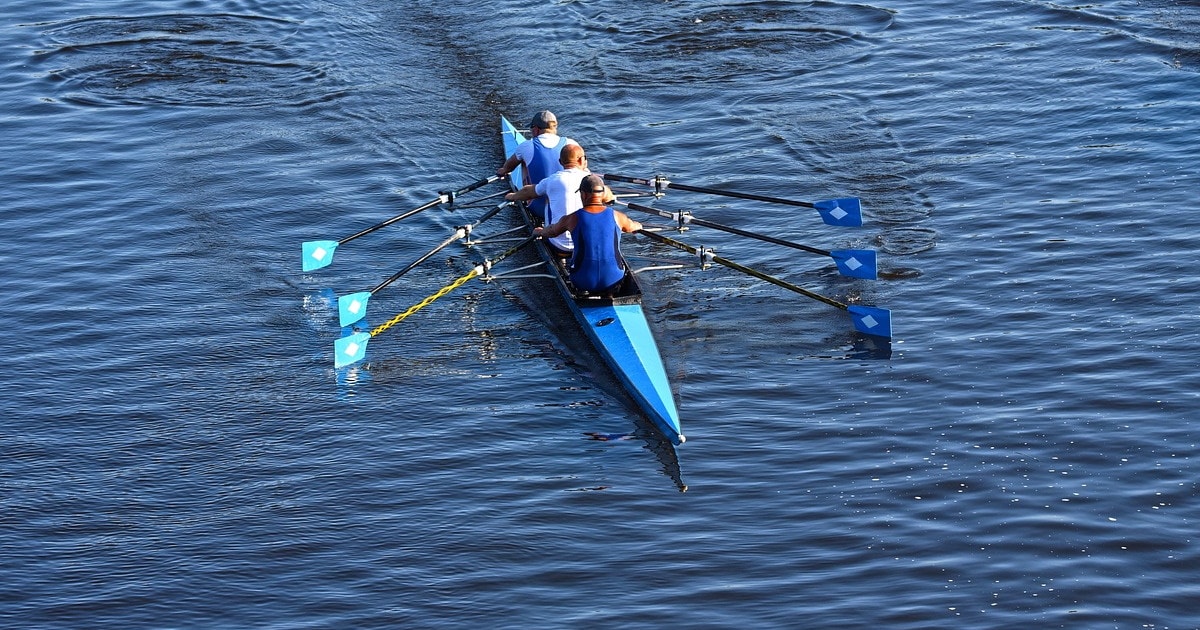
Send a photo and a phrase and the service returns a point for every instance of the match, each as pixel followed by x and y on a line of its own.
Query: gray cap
pixel 592 184
pixel 543 120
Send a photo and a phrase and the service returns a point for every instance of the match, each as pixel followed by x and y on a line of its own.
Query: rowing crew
pixel 573 204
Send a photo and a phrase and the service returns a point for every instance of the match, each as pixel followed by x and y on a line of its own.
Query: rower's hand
pixel 510 196
pixel 501 172
pixel 537 231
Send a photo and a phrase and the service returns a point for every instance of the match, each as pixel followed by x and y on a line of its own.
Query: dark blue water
pixel 178 451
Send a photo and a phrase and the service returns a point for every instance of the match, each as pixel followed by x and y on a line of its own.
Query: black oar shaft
pixel 491 213
pixel 732 230
pixel 744 269
pixel 441 198
pixel 476 271
pixel 663 183
pixel 741 195
pixel 762 237
pixel 629 180
pixel 392 220
pixel 489 263
pixel 459 233
pixel 479 202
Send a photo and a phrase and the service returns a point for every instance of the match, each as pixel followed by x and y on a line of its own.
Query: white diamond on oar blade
pixel 355 307
pixel 318 253
pixel 852 264
pixel 837 213
pixel 870 322
pixel 351 349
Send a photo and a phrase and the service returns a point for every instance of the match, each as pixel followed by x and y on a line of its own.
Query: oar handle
pixel 629 180
pixel 687 218
pixel 666 214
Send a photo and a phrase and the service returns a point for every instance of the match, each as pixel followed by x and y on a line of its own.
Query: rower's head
pixel 571 156
pixel 591 190
pixel 543 121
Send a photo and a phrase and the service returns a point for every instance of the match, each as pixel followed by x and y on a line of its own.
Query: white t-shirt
pixel 562 191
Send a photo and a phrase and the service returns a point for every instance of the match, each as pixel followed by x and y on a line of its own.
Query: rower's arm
pixel 564 224
pixel 511 163
pixel 526 193
pixel 627 224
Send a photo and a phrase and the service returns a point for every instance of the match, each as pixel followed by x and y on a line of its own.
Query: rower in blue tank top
pixel 544 163
pixel 539 154
pixel 596 263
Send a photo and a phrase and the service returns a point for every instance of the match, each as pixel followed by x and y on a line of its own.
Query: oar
pixel 855 263
pixel 845 211
pixel 351 349
pixel 353 307
pixel 318 254
pixel 867 319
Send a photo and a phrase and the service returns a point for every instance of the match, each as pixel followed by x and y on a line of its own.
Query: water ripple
pixel 198 60
pixel 179 451
pixel 737 41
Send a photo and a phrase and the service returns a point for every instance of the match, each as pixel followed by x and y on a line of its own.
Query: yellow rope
pixel 478 270
pixel 427 301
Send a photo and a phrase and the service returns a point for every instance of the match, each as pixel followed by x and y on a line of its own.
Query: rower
pixel 561 190
pixel 596 263
pixel 539 155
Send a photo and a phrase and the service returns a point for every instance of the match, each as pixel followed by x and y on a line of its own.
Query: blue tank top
pixel 543 164
pixel 596 260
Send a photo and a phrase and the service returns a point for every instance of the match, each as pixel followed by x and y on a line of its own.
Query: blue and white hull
pixel 616 326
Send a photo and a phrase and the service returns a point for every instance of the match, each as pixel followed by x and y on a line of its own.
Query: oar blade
pixel 318 254
pixel 845 212
pixel 353 307
pixel 856 263
pixel 872 320
pixel 350 349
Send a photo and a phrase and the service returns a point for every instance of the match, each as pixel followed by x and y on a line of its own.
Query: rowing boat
pixel 616 326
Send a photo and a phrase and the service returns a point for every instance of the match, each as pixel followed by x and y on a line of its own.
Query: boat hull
pixel 617 327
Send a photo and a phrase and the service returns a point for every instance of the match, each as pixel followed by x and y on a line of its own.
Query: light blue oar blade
pixel 846 212
pixel 350 349
pixel 872 320
pixel 318 254
pixel 353 307
pixel 856 263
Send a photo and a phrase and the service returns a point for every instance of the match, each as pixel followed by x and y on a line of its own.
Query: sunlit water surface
pixel 178 450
